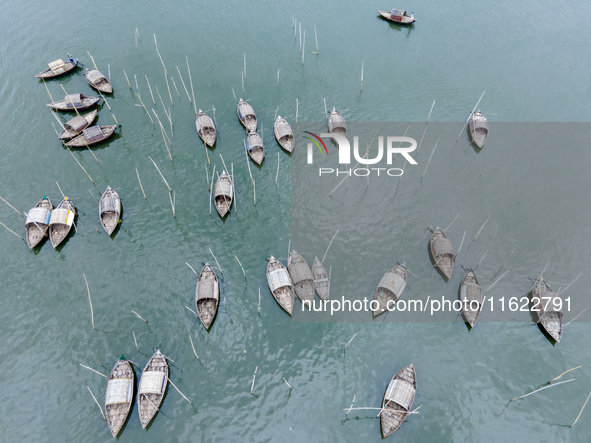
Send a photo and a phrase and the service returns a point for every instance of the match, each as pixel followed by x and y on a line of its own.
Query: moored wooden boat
pixel 61 221
pixel 92 135
pixel 223 194
pixel 153 383
pixel 110 210
pixel 58 67
pixel 283 134
pixel 72 102
pixel 37 222
pixel 336 122
pixel 471 298
pixel 301 276
pixel 205 128
pixel 390 288
pixel 247 116
pixel 442 252
pixel 255 147
pixel 207 295
pixel 280 285
pixel 545 303
pixel 119 395
pixel 76 125
pixel 398 399
pixel 321 281
pixel 478 129
pixel 398 16
pixel 98 81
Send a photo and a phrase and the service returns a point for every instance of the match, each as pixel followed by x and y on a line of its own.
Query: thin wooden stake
pixel 97 372
pixel 97 403
pixel 176 89
pixel 259 305
pixel 211 189
pixel 191 82
pixel 135 341
pixel 12 231
pixel 578 416
pixel 178 390
pixel 480 261
pixel 490 287
pixel 89 300
pixel 245 66
pixel 304 48
pixel 452 222
pixel 351 340
pixel 158 169
pixel 332 239
pixel 297 109
pixel 254 376
pixel 541 389
pixel 278 78
pixel 241 267
pixel 140 317
pixel 480 229
pixel 127 78
pixel 429 161
pixel 561 292
pixel 15 210
pixel 183 82
pixel 425 130
pixel 193 346
pixel 577 316
pixel 141 187
pixel 565 372
pixel 352 403
pixel 460 248
pixel 290 387
pixel 277 175
pixel 216 261
pixel 362 66
pixel 150 88
pixel 316 37
pixel 470 116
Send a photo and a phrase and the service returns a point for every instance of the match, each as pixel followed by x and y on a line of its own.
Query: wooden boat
pixel 205 128
pixel 398 399
pixel 247 116
pixel 72 102
pixel 544 302
pixel 76 125
pixel 255 147
pixel 37 222
pixel 58 67
pixel 398 16
pixel 98 81
pixel 336 122
pixel 390 288
pixel 301 276
pixel 153 384
pixel 207 295
pixel 478 129
pixel 283 134
pixel 280 285
pixel 442 252
pixel 110 210
pixel 61 221
pixel 119 395
pixel 321 281
pixel 223 194
pixel 471 298
pixel 92 135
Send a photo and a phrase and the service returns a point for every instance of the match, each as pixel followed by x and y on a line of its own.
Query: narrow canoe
pixel 442 252
pixel 110 210
pixel 58 67
pixel 37 222
pixel 398 399
pixel 153 383
pixel 390 288
pixel 398 16
pixel 321 281
pixel 61 221
pixel 479 129
pixel 471 298
pixel 255 147
pixel 92 135
pixel 74 102
pixel 223 194
pixel 247 116
pixel 98 81
pixel 76 125
pixel 283 134
pixel 205 128
pixel 119 395
pixel 207 295
pixel 336 122
pixel 301 276
pixel 280 285
pixel 544 303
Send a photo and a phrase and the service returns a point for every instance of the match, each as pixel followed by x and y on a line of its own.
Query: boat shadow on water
pixel 534 319
pixel 396 27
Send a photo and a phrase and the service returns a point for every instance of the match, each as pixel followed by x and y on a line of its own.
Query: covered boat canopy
pixel 224 188
pixel 152 382
pixel 73 100
pixel 393 282
pixel 400 392
pixel 109 203
pixel 282 129
pixel 244 110
pixel 57 64
pixel 62 216
pixel 95 76
pixel 397 13
pixel 279 278
pixel 77 124
pixel 94 133
pixel 119 390
pixel 38 215
pixel 442 246
pixel 207 289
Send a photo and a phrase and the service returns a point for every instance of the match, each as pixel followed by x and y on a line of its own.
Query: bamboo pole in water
pixel 89 300
pixel 184 86
pixel 141 187
pixel 97 403
pixel 163 179
pixel 254 376
pixel 150 88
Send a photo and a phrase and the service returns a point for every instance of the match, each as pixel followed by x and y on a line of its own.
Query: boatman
pixel 412 15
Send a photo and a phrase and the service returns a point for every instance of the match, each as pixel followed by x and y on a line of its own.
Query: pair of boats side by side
pixel 93 76
pixel 43 218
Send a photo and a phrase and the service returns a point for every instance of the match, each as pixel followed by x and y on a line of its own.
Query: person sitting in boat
pixel 412 15
pixel 71 59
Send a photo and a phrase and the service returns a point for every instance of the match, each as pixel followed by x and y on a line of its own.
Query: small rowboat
pixel 71 102
pixel 255 147
pixel 110 210
pixel 471 298
pixel 75 126
pixel 247 116
pixel 280 285
pixel 398 399
pixel 119 395
pixel 398 16
pixel 478 129
pixel 442 252
pixel 390 288
pixel 336 122
pixel 321 281
pixel 38 222
pixel 544 303
pixel 153 384
pixel 61 221
pixel 92 135
pixel 283 134
pixel 301 276
pixel 205 128
pixel 98 81
pixel 207 295
pixel 223 194
pixel 58 67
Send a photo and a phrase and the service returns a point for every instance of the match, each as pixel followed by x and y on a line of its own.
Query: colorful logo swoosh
pixel 315 142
